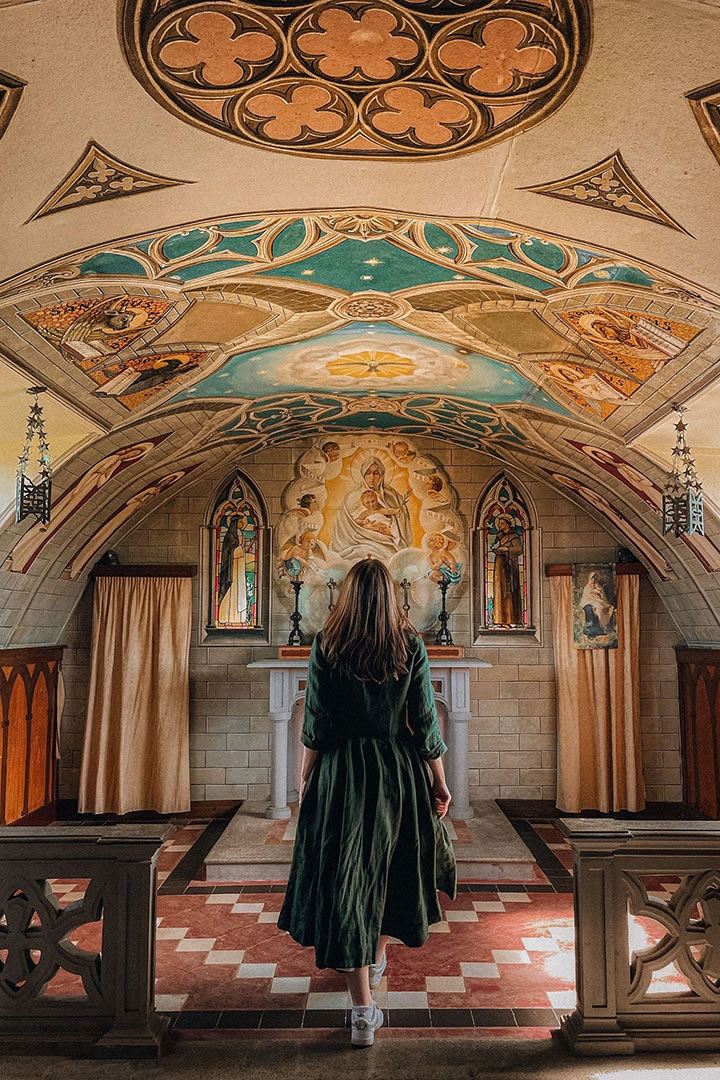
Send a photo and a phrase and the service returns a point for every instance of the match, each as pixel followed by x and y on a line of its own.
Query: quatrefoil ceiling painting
pixel 355 79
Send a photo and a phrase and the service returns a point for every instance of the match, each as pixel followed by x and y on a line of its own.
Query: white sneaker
pixel 376 972
pixel 365 1020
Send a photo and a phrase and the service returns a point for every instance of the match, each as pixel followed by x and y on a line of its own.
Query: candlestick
pixel 443 636
pixel 295 637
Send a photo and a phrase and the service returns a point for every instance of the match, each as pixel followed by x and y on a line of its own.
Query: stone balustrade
pixel 647 922
pixel 108 1008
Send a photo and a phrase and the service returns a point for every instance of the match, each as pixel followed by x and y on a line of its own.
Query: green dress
pixel 370 851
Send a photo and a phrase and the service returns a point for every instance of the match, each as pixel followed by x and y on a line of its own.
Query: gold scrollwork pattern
pixel 359 78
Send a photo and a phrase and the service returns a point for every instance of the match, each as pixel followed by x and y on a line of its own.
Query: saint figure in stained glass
pixel 505 530
pixel 235 564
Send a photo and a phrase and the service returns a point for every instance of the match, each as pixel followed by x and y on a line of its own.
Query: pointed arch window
pixel 237 585
pixel 505 561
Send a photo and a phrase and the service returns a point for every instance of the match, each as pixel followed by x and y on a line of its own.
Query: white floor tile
pixel 198 944
pixel 461 916
pixel 480 971
pixel 290 985
pixel 445 984
pixel 562 999
pixel 171 933
pixel 563 933
pixel 255 971
pixel 439 928
pixel 540 944
pixel 246 909
pixel 170 1002
pixel 225 956
pixel 337 1000
pixel 514 897
pixel 407 999
pixel 269 916
pixel 510 956
pixel 223 898
pixel 488 905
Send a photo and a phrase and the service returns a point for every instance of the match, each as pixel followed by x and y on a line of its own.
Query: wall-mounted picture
pixel 594 606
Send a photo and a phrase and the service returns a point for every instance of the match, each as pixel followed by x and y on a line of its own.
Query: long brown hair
pixel 366 633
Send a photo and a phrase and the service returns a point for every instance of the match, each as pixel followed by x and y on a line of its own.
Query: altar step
pixel 256 848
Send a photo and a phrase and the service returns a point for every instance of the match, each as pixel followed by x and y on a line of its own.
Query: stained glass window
pixel 235 587
pixel 506 565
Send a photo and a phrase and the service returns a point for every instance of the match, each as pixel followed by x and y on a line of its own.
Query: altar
pixel 450 677
pixel 257 844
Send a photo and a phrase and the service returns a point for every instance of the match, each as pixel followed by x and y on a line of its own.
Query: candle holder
pixel 405 586
pixel 332 586
pixel 443 636
pixel 296 637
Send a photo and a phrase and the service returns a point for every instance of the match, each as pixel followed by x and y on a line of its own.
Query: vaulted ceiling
pixel 492 223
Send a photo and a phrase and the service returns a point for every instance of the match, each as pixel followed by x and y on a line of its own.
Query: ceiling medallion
pixel 370 306
pixel 359 79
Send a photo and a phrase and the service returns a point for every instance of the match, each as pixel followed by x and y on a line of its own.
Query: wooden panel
pixel 699 683
pixel 28 697
pixel 38 742
pixel 16 750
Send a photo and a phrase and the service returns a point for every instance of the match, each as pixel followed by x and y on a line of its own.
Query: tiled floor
pixel 502 958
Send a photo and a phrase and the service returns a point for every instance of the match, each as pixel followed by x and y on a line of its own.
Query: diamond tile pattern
pixel 502 957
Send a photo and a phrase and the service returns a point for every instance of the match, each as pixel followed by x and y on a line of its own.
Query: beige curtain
pixel 135 750
pixel 598 708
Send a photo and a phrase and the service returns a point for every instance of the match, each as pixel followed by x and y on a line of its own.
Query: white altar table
pixel 451 683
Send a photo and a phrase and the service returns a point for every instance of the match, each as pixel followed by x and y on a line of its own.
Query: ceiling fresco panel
pixel 387 79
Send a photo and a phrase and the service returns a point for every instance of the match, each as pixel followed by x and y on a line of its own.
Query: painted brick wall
pixel 512 731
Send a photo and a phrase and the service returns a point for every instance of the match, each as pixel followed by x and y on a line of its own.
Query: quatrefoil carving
pixel 33 939
pixel 691 919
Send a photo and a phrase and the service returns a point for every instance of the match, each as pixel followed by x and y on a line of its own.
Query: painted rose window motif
pixel 235 592
pixel 505 532
pixel 387 79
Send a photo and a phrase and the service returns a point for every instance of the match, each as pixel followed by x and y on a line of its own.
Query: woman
pixel 350 538
pixel 371 850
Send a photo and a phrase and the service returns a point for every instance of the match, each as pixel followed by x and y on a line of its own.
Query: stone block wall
pixel 512 731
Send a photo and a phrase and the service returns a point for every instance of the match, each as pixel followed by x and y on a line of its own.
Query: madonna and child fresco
pixel 358 496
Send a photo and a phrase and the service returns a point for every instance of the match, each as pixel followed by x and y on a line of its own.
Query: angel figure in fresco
pixel 507 593
pixel 232 582
pixel 441 557
pixel 302 553
pixel 598 611
pixel 92 334
pixel 351 539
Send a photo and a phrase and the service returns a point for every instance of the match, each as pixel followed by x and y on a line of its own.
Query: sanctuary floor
pixel 501 963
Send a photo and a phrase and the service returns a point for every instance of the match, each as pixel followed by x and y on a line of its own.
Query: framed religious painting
pixel 594 606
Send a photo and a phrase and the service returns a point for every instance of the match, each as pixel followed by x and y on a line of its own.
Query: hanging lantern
pixel 34 498
pixel 682 494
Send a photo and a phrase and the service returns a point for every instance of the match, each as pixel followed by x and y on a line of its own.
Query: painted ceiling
pixel 243 224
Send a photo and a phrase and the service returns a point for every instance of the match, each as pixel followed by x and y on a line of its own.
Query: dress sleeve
pixel 317 720
pixel 422 715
